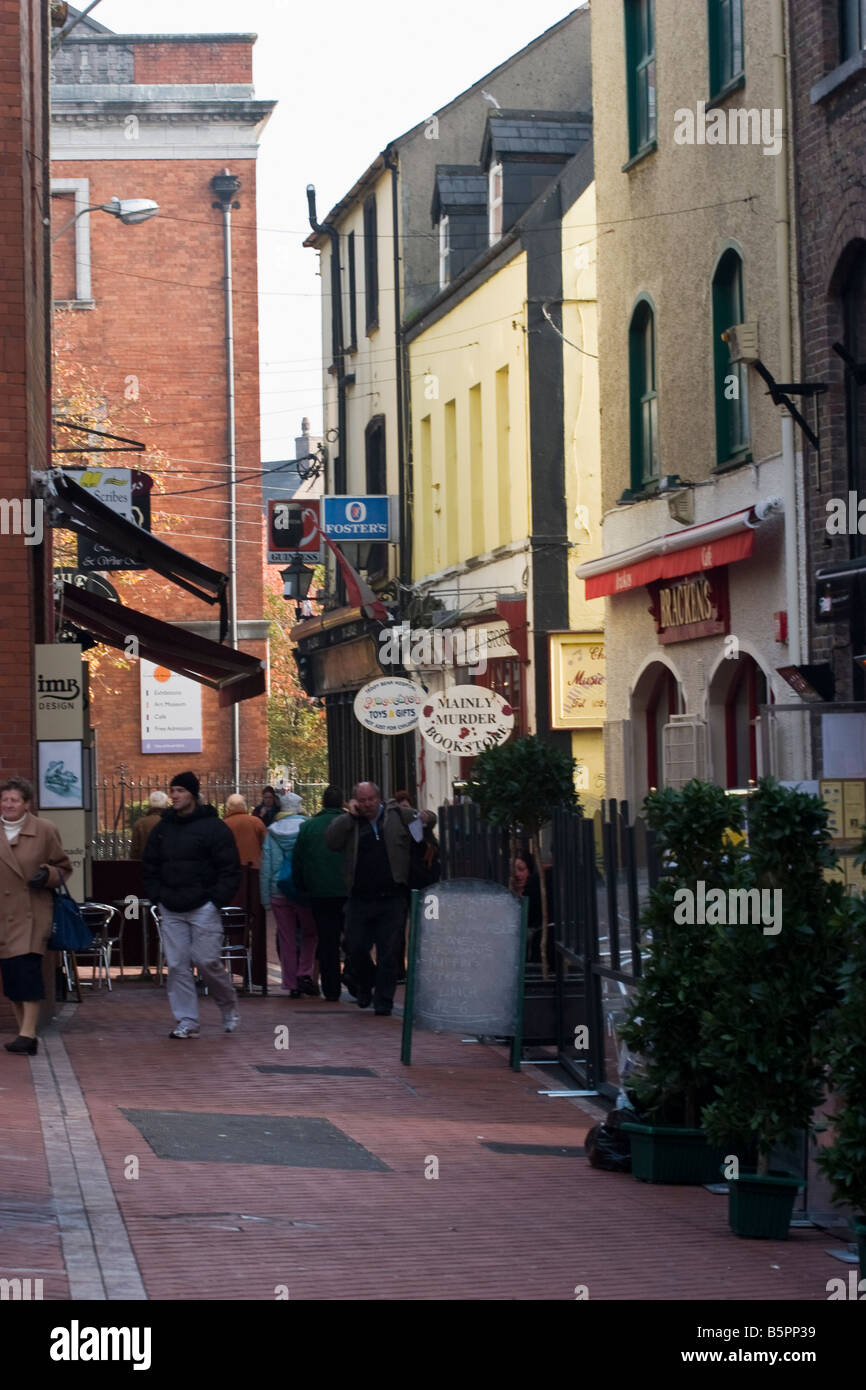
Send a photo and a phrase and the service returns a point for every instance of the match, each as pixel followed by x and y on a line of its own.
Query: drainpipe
pixel 341 470
pixel 403 483
pixel 225 186
pixel 786 364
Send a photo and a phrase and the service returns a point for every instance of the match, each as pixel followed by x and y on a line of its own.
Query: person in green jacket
pixel 319 871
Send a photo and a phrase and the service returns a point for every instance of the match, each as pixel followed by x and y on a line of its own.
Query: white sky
pixel 349 76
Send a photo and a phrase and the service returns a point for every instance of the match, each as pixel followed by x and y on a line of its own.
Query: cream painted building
pixel 701 571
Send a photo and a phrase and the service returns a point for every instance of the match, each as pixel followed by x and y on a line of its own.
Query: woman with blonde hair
pixel 32 863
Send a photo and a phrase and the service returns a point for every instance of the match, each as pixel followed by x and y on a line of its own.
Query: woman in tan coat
pixel 32 863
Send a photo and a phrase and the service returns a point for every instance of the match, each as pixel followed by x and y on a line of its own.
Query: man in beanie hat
pixel 191 869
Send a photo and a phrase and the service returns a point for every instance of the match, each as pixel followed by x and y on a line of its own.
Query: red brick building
pixel 24 362
pixel 828 60
pixel 159 117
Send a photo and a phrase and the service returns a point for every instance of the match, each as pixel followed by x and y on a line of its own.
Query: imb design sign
pixel 170 711
pixel 696 606
pixel 465 720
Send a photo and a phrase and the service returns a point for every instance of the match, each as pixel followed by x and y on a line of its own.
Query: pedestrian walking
pixel 268 808
pixel 191 870
pixel 318 871
pixel 249 831
pixel 291 908
pixel 376 845
pixel 32 863
pixel 158 802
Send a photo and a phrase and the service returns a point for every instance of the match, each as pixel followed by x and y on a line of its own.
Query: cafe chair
pixel 237 947
pixel 106 923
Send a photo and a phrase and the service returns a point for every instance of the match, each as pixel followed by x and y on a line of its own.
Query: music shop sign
pixel 694 606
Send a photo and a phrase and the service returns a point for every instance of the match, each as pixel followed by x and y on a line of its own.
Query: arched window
pixel 655 698
pixel 645 461
pixel 731 380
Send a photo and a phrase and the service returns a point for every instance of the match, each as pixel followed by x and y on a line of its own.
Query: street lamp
pixel 130 211
pixel 296 578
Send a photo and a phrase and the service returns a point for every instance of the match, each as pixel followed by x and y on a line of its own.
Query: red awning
pixel 236 675
pixel 697 548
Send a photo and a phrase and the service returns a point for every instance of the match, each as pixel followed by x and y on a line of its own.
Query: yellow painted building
pixel 502 428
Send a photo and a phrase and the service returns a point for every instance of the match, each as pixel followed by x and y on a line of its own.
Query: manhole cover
pixel 319 1071
pixel 286 1141
pixel 549 1150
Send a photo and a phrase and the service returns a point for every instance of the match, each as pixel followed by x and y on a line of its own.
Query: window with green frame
pixel 852 28
pixel 725 33
pixel 731 378
pixel 640 60
pixel 643 398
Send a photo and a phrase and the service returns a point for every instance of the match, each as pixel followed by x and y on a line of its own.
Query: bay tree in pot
pixel 518 785
pixel 775 991
pixel 844 1160
pixel 699 853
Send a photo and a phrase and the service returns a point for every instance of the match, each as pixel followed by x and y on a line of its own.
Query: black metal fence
pixel 603 870
pixel 121 799
pixel 471 848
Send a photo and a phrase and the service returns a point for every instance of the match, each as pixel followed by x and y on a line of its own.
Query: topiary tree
pixel 664 1016
pixel 518 785
pixel 775 989
pixel 844 1161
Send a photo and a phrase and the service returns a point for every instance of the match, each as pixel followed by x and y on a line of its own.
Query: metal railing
pixel 121 800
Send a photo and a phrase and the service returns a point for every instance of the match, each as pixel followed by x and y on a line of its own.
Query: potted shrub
pixel 664 1016
pixel 775 989
pixel 844 1161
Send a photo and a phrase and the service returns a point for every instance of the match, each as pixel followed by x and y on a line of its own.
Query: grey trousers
pixel 194 938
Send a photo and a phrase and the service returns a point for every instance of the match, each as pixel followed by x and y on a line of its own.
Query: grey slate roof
pixel 528 133
pixel 459 188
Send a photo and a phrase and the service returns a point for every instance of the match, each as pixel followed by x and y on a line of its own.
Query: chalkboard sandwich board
pixel 467 947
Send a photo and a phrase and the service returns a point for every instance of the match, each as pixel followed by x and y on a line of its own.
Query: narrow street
pixel 300 1172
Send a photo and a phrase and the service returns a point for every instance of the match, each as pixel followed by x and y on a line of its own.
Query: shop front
pixel 336 655
pixel 695 637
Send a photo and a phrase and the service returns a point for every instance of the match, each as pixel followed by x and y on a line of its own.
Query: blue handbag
pixel 69 929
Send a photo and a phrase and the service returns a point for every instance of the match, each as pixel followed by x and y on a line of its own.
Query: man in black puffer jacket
pixel 191 869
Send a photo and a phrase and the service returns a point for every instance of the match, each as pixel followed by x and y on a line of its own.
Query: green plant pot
pixel 859 1224
pixel 671 1153
pixel 760 1207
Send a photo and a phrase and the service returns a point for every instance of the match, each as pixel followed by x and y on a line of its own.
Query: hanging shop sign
pixel 127 492
pixel 390 705
pixel 465 719
pixel 578 683
pixel 694 606
pixel 357 518
pixel 293 530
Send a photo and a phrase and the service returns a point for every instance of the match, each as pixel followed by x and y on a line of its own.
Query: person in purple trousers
pixel 296 926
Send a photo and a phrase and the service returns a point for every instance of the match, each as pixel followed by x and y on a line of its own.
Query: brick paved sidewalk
pixel 493 1225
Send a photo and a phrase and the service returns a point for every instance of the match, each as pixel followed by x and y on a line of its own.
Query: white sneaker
pixel 231 1021
pixel 184 1030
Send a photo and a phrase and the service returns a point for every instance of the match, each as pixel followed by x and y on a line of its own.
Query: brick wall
pixel 158 329
pixel 23 361
pixel 194 62
pixel 830 139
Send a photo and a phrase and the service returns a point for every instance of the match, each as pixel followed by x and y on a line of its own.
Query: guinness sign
pixel 694 606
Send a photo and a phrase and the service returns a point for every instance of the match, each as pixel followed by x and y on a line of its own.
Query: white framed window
pixel 444 253
pixel 494 203
pixel 69 197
